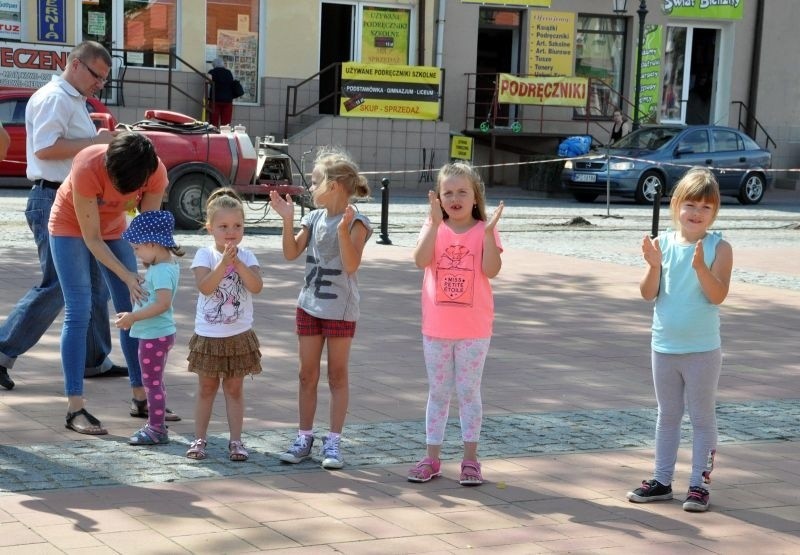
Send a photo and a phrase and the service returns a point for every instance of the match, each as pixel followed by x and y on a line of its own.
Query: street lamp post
pixel 621 7
pixel 642 11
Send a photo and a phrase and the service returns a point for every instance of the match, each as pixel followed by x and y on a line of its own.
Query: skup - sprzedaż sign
pixel 390 91
pixel 548 91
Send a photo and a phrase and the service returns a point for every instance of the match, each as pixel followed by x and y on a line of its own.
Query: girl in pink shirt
pixel 459 249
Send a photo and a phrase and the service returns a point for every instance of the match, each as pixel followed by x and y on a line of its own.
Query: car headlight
pixel 568 165
pixel 621 166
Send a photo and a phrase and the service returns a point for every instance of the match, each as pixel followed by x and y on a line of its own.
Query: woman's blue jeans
pixel 80 276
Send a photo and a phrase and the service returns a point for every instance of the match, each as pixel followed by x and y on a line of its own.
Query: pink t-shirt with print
pixel 457 300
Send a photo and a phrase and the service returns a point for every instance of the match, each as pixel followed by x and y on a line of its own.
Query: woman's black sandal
pixel 95 428
pixel 139 410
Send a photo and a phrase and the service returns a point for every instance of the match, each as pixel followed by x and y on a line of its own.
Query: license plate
pixel 584 177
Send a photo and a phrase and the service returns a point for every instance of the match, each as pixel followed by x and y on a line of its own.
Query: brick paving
pixel 569 415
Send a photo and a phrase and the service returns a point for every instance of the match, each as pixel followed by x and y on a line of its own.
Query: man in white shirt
pixel 58 126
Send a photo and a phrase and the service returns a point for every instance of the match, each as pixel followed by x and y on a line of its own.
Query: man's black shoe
pixel 113 372
pixel 5 379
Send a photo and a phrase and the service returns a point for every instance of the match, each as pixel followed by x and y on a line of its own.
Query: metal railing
pixel 333 70
pixel 751 126
pixel 484 112
pixel 170 83
pixel 291 95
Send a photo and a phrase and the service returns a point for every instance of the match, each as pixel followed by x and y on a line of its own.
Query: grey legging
pixel 696 375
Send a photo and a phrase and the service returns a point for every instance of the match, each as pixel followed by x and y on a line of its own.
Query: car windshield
pixel 647 138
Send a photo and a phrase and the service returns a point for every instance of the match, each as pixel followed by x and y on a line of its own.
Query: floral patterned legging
pixel 454 364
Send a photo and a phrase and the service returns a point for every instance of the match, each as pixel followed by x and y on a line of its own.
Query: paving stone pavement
pixel 568 419
pixel 110 462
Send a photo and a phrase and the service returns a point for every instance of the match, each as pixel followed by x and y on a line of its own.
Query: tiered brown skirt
pixel 225 357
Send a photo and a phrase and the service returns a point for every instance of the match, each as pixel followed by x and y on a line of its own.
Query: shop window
pixel 600 53
pixel 385 35
pixel 232 34
pixel 149 32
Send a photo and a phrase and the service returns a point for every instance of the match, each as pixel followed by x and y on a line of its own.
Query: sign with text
pixel 31 65
pixel 384 36
pixel 10 26
pixel 552 43
pixel 52 21
pixel 704 9
pixel 651 74
pixel 529 3
pixel 547 91
pixel 461 147
pixel 390 91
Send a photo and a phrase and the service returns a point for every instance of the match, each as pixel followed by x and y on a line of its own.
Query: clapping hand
pixel 347 219
pixel 698 260
pixel 437 215
pixel 651 251
pixel 283 206
pixel 492 222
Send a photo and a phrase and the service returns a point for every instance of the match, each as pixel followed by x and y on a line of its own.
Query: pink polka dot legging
pixel 153 359
pixel 454 364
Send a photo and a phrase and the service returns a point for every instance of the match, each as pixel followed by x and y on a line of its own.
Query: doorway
pixel 702 70
pixel 498 52
pixel 335 45
pixel 690 74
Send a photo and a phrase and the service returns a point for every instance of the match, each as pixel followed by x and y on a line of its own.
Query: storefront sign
pixel 548 91
pixel 31 65
pixel 704 9
pixel 384 36
pixel 390 91
pixel 461 147
pixel 651 74
pixel 552 43
pixel 10 26
pixel 529 3
pixel 52 21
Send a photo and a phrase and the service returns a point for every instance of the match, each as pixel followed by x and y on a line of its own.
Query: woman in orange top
pixel 86 225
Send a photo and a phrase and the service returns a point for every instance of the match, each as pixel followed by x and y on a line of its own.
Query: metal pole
pixel 656 208
pixel 384 238
pixel 608 181
pixel 642 11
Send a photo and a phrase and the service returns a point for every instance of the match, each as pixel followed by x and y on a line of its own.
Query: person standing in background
pixel 621 126
pixel 221 94
pixel 58 126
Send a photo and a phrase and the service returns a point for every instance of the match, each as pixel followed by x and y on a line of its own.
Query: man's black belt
pixel 47 184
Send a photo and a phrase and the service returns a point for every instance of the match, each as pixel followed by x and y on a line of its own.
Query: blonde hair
pixel 697 185
pixel 334 164
pixel 223 198
pixel 466 171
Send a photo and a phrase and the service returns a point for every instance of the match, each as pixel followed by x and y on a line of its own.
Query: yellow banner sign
pixel 549 91
pixel 390 91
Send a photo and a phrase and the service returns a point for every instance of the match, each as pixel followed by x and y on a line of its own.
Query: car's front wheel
pixel 187 199
pixel 585 197
pixel 649 186
pixel 752 190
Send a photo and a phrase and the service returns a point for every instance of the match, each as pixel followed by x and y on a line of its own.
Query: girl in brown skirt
pixel 224 347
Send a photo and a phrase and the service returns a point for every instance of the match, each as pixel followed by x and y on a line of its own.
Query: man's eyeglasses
pixel 97 76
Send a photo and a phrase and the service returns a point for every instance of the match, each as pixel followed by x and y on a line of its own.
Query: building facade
pixel 725 62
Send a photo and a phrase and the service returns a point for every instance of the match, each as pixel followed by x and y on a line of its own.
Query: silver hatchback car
pixel 655 157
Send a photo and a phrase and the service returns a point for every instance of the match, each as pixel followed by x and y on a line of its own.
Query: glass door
pixel 97 24
pixel 691 60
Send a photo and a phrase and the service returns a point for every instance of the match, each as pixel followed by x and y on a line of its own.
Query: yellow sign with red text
pixel 548 91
